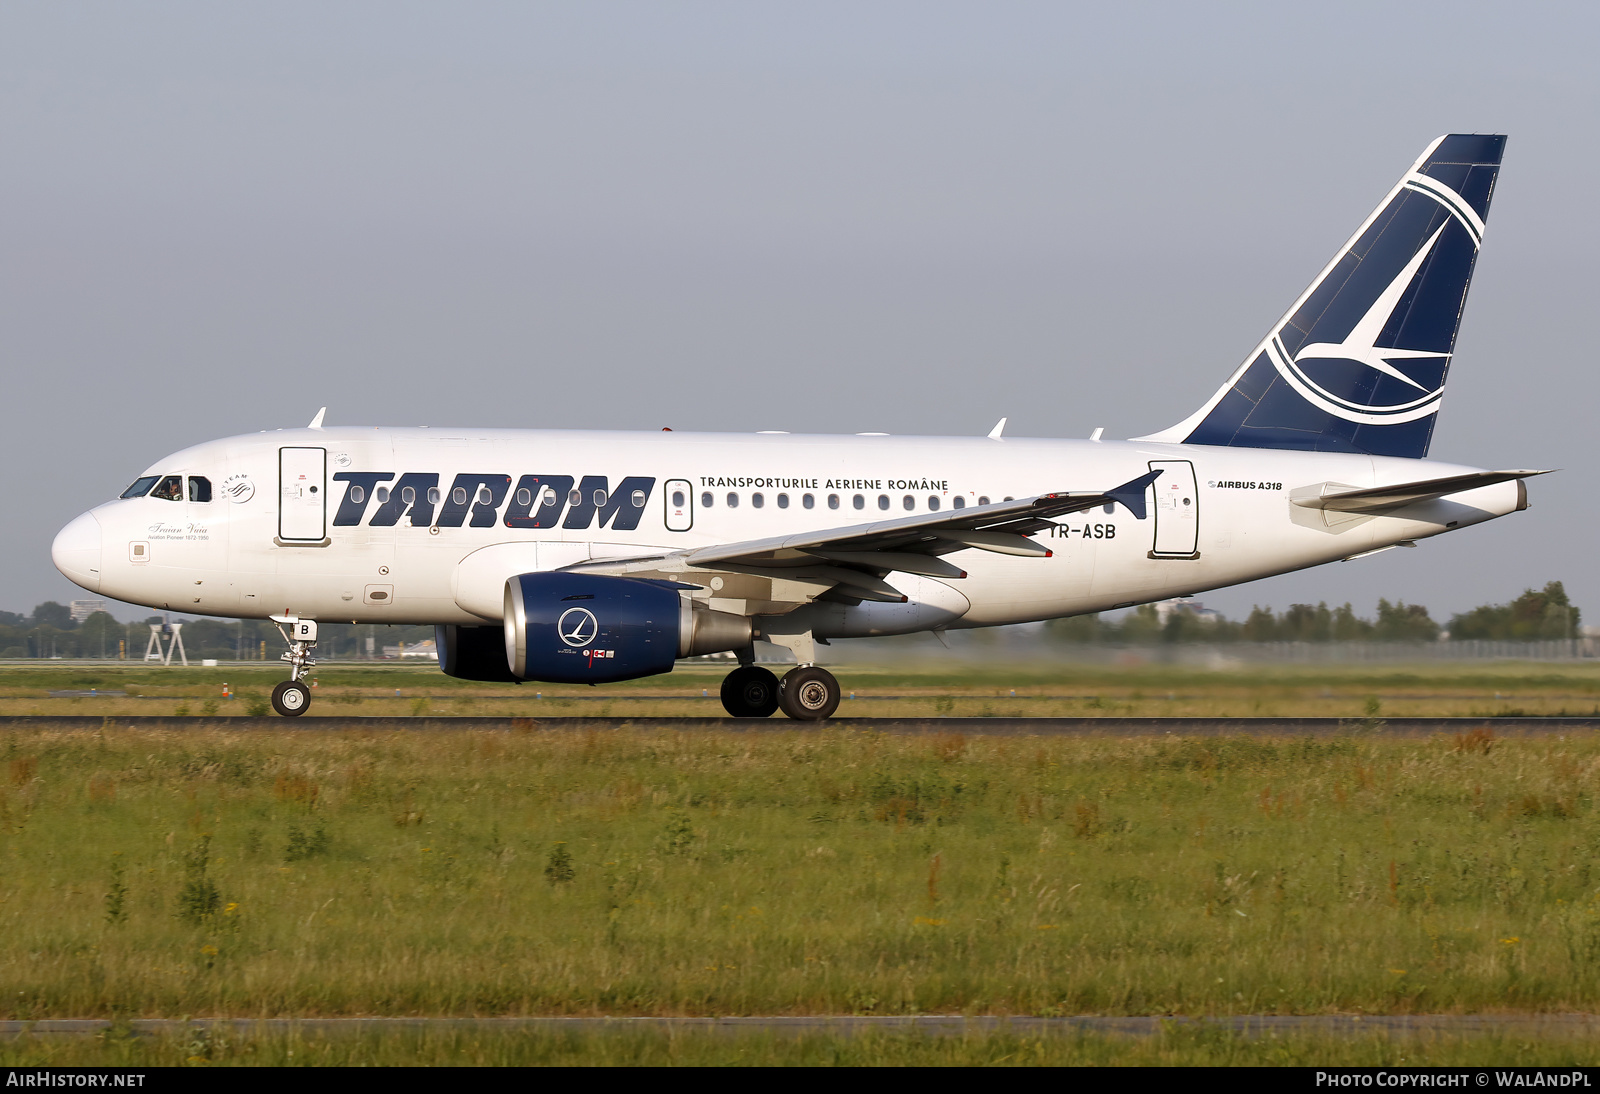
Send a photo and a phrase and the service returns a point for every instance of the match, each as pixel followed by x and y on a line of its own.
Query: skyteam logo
pixel 1321 371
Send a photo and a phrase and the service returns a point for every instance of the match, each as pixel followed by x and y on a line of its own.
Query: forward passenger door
pixel 302 495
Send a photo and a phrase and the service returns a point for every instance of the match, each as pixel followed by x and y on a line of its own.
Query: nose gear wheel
pixel 291 698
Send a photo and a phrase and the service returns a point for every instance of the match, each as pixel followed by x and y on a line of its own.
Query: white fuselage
pixel 341 562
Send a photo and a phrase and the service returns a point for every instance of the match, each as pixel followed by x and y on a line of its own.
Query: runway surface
pixel 1047 727
pixel 1248 1025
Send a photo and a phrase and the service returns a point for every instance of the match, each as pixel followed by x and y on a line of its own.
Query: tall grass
pixel 653 872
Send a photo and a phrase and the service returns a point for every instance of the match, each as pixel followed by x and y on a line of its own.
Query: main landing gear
pixel 806 693
pixel 292 698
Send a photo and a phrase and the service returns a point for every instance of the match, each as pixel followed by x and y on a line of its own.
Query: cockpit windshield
pixel 169 489
pixel 140 488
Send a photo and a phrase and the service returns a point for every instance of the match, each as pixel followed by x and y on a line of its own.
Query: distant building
pixel 83 609
pixel 424 650
pixel 1201 613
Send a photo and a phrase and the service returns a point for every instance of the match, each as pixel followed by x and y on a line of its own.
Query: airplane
pixel 579 556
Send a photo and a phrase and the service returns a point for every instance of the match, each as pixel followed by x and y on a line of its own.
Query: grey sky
pixel 909 217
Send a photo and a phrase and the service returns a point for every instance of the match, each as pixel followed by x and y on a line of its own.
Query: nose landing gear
pixel 292 698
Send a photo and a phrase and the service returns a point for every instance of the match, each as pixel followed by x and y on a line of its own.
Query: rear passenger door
pixel 1176 510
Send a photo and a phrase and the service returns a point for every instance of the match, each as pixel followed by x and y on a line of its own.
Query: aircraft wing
pixel 1336 497
pixel 986 527
pixel 858 555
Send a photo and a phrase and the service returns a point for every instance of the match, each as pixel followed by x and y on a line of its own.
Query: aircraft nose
pixel 76 551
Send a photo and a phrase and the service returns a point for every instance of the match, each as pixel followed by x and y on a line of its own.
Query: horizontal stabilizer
pixel 1339 498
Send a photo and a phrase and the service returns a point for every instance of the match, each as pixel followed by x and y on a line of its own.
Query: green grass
pixel 1462 689
pixel 653 872
pixel 1173 1046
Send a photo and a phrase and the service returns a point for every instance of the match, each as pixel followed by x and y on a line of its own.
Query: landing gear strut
pixel 292 698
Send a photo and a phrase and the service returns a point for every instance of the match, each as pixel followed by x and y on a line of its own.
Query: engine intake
pixel 593 629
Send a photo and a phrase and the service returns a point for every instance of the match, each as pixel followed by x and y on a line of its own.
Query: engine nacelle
pixel 473 653
pixel 592 629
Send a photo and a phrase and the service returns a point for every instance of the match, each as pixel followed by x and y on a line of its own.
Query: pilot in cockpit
pixel 169 489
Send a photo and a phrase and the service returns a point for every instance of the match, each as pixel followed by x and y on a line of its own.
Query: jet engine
pixel 592 629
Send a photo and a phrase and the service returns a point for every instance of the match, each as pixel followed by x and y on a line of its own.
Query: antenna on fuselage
pixel 316 423
pixel 999 428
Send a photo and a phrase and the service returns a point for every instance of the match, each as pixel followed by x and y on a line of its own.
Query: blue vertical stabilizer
pixel 1359 362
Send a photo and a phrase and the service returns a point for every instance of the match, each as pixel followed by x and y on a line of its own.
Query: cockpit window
pixel 199 488
pixel 140 487
pixel 169 488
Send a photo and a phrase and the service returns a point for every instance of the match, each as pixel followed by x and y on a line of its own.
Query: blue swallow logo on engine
pixel 577 627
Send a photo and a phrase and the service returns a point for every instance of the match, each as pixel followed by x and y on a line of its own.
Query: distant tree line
pixel 50 632
pixel 1535 615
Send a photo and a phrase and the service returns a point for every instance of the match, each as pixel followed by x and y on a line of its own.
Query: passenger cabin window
pixel 883 501
pixel 575 496
pixel 733 500
pixel 140 487
pixel 638 499
pixel 547 496
pixel 357 495
pixel 833 501
pixel 758 500
pixel 706 500
pixel 1108 508
pixel 859 502
pixel 599 499
pixel 910 503
pixel 783 501
pixel 525 497
pixel 982 500
pixel 809 502
pixel 408 495
pixel 958 502
pixel 677 498
pixel 459 495
pixel 433 495
pixel 169 488
pixel 933 504
pixel 485 496
pixel 381 495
